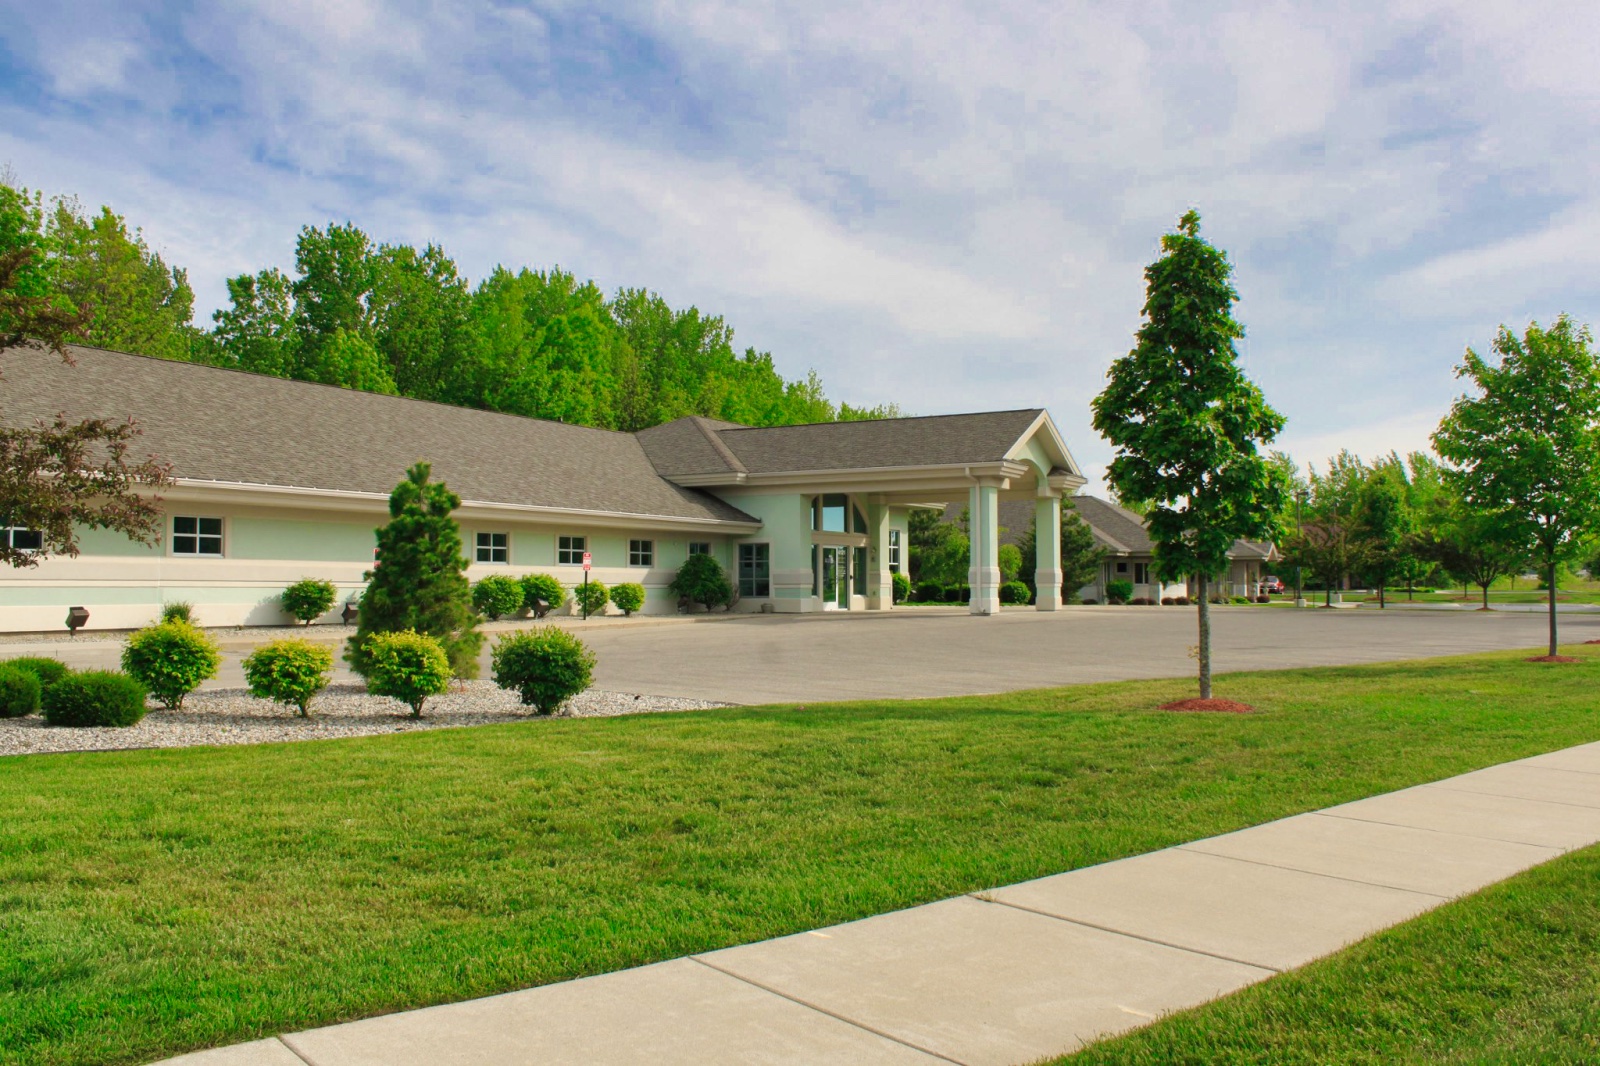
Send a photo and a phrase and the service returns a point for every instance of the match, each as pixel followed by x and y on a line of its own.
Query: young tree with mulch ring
pixel 1187 424
pixel 1525 451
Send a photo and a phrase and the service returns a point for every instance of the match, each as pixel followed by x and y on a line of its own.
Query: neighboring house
pixel 1130 556
pixel 279 480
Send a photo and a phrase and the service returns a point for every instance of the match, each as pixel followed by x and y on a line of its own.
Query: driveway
pixel 947 652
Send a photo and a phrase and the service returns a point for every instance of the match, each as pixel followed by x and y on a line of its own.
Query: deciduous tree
pixel 1188 425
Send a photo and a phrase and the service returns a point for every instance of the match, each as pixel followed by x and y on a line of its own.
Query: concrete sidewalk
pixel 1020 973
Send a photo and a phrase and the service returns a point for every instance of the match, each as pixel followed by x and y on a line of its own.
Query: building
pixel 1130 555
pixel 279 480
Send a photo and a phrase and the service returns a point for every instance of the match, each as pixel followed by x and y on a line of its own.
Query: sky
pixel 947 206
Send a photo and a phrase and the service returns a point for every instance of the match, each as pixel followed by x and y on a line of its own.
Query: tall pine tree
pixel 419 580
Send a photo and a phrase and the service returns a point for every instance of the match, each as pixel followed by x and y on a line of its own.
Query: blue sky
pixel 944 205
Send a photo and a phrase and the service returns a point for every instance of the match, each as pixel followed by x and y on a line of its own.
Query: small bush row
pixel 88 698
pixel 500 596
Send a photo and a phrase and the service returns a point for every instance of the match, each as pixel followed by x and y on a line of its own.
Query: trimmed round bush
pixel 542 587
pixel 407 666
pixel 94 698
pixel 19 691
pixel 171 660
pixel 179 611
pixel 593 597
pixel 702 579
pixel 290 671
pixel 628 596
pixel 48 671
pixel 1014 592
pixel 545 667
pixel 308 599
pixel 902 587
pixel 1119 591
pixel 497 595
pixel 930 592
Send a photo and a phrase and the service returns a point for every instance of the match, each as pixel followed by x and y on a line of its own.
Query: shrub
pixel 930 592
pixel 1168 601
pixel 1014 592
pixel 537 587
pixel 1010 563
pixel 628 597
pixel 545 667
pixel 701 578
pixel 171 660
pixel 592 597
pixel 408 666
pixel 19 691
pixel 1142 601
pixel 1089 601
pixel 308 599
pixel 902 587
pixel 1119 591
pixel 1182 601
pixel 290 671
pixel 497 595
pixel 1263 598
pixel 1236 600
pixel 94 698
pixel 955 594
pixel 178 612
pixel 48 671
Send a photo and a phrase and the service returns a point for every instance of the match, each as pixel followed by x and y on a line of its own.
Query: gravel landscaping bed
pixel 233 716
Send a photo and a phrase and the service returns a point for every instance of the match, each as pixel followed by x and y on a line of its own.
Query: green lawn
pixel 1509 975
pixel 157 901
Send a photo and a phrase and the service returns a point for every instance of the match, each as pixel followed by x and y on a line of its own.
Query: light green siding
pixel 251 537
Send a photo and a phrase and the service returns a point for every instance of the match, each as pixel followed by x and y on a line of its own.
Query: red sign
pixel 586 558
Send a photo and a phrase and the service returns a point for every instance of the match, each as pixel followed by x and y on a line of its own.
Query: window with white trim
pixel 755 570
pixel 193 535
pixel 1141 573
pixel 23 539
pixel 699 547
pixel 569 550
pixel 894 550
pixel 494 547
pixel 641 553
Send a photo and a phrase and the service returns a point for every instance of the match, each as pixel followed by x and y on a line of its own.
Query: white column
pixel 880 580
pixel 1047 538
pixel 983 528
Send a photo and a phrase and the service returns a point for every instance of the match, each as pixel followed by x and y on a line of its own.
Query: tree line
pixel 396 319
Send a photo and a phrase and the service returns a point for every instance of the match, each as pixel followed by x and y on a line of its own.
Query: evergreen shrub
pixel 497 595
pixel 1009 560
pixel 48 671
pixel 308 599
pixel 591 597
pixel 19 691
pixel 1119 591
pixel 702 579
pixel 1014 592
pixel 171 660
pixel 407 666
pixel 545 667
pixel 930 592
pixel 537 587
pixel 628 596
pixel 290 671
pixel 180 611
pixel 94 698
pixel 902 587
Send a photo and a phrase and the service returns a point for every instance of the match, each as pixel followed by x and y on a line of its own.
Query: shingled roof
pixel 223 425
pixel 700 446
pixel 1116 529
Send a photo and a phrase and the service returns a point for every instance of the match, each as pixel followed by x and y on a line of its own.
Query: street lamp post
pixel 1299 591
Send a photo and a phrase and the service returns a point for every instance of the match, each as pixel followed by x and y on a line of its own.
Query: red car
pixel 1272 585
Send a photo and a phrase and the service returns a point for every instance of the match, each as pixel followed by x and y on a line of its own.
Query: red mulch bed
pixel 1554 659
pixel 1225 706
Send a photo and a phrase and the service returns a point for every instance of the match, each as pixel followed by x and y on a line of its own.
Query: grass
pixel 153 902
pixel 1509 975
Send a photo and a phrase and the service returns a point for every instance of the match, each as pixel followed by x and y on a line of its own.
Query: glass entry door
pixel 835 578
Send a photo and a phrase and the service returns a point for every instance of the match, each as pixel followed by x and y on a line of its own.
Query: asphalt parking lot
pixel 914 652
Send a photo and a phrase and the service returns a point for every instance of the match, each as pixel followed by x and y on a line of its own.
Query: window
pixel 699 547
pixel 755 570
pixel 23 539
pixel 569 550
pixel 641 553
pixel 196 536
pixel 894 550
pixel 494 547
pixel 1141 573
pixel 1122 568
